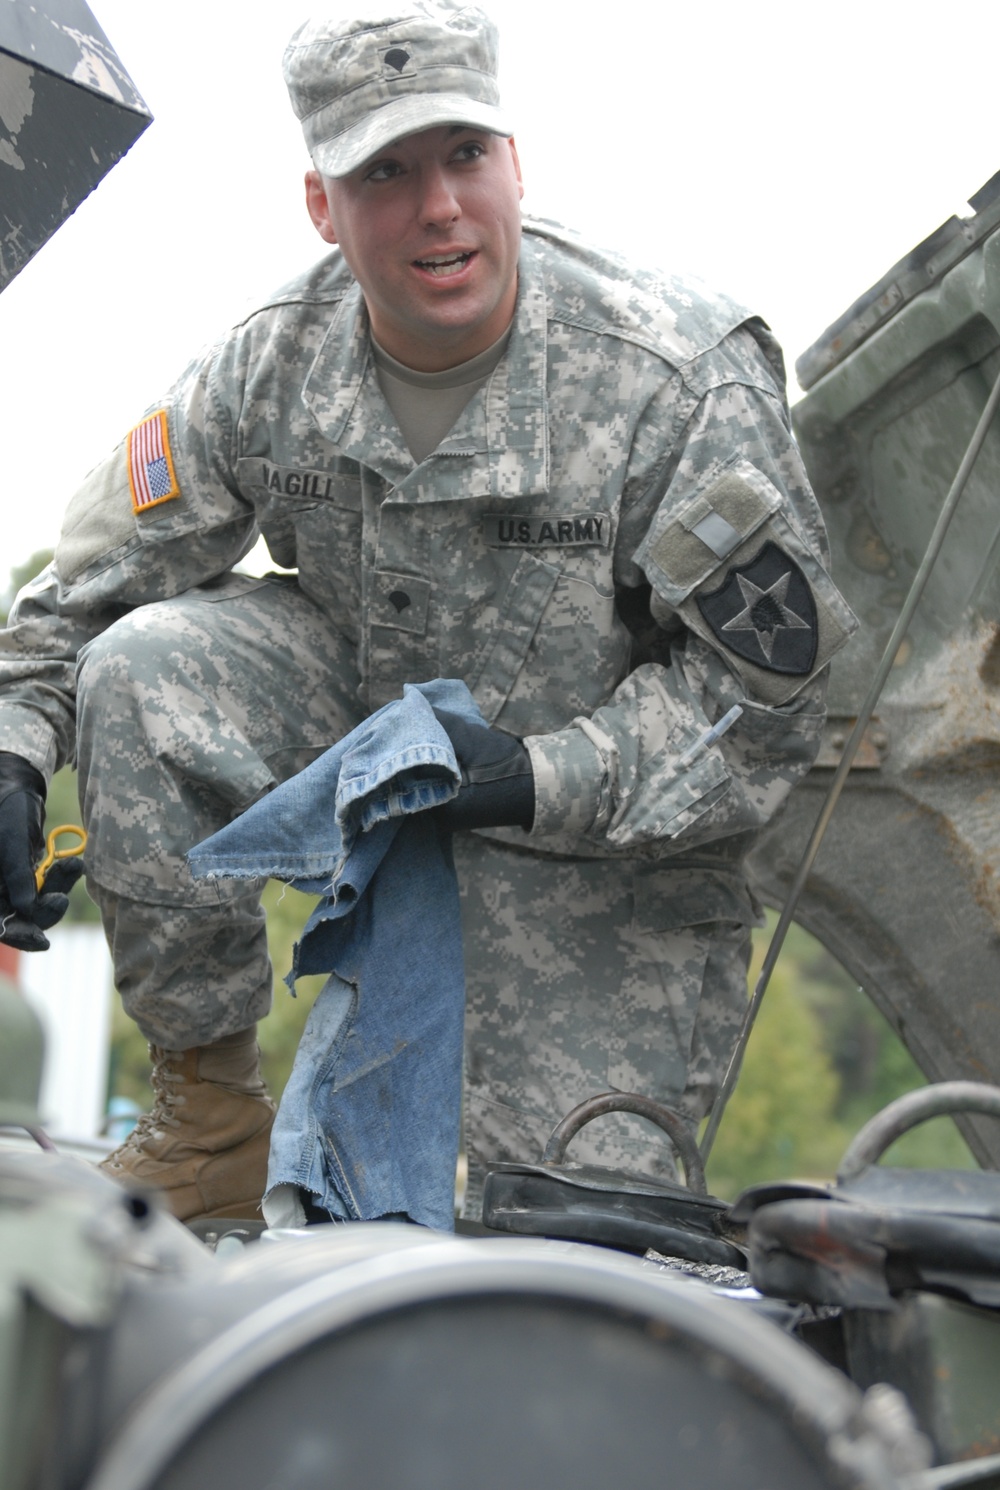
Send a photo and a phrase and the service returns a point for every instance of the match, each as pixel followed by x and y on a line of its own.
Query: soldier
pixel 489 452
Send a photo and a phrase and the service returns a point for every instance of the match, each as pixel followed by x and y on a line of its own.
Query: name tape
pixel 516 530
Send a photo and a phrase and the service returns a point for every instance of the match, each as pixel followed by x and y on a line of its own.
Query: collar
pixel 502 433
pixel 473 371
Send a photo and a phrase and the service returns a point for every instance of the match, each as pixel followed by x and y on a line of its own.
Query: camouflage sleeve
pixel 161 514
pixel 728 543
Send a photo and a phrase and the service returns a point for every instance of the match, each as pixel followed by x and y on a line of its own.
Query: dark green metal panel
pixel 68 113
pixel 906 887
pixel 904 282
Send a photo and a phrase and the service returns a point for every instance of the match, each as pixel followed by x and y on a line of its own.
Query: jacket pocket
pixel 504 651
pixel 311 521
pixel 681 919
pixel 667 899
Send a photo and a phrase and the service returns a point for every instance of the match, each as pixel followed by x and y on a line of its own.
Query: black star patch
pixel 764 611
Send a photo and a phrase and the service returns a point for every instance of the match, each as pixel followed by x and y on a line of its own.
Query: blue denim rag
pixel 369 1121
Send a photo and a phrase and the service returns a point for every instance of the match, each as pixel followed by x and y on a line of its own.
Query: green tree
pixel 820 1062
pixel 781 1120
pixel 63 806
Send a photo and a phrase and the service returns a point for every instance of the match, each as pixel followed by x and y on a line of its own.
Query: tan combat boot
pixel 205 1142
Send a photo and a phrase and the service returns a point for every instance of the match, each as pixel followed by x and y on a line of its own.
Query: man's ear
pixel 318 207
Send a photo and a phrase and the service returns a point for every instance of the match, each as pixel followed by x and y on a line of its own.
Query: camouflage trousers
pixel 582 974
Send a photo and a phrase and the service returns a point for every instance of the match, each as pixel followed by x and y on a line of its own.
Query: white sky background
pixel 788 153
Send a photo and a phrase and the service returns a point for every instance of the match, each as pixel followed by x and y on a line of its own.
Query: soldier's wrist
pixel 18 775
pixel 568 775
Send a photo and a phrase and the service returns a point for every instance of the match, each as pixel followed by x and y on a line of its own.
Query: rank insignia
pixel 764 611
pixel 151 475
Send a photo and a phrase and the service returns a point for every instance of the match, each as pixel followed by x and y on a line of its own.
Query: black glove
pixel 498 784
pixel 25 913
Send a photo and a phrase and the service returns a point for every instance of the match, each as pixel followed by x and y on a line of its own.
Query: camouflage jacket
pixel 614 544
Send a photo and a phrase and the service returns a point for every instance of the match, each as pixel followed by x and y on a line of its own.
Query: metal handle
pixel 907 1112
pixel 670 1122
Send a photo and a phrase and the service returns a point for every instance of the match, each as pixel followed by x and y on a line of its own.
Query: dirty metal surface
pixel 905 889
pixel 904 281
pixel 68 112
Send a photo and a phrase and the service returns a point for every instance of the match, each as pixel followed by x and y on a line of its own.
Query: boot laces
pixel 164 1079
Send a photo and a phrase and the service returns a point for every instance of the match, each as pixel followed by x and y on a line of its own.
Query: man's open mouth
pixel 442 265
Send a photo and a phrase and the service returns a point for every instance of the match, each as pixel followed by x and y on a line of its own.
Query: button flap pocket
pixel 502 657
pixel 399 602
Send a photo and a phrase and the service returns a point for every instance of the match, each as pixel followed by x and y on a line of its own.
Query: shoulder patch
pixel 764 612
pixel 151 476
pixel 734 568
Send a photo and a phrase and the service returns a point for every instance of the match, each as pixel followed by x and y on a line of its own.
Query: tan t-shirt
pixel 426 405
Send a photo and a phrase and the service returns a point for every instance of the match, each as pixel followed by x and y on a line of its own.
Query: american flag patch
pixel 150 465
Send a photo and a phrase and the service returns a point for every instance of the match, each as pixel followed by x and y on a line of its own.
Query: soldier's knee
pixel 138 646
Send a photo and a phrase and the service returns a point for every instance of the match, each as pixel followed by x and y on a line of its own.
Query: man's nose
pixel 439 204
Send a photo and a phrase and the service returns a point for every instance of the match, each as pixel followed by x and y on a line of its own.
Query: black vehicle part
pixel 861 1254
pixel 387 1355
pixel 591 1203
pixel 882 1232
pixel 665 1118
pixel 945 1356
pixel 908 1111
pixel 913 1258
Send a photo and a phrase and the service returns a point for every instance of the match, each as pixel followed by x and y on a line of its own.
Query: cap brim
pixel 405 116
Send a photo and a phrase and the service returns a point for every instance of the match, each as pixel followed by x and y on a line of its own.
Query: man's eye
pixel 471 150
pixel 385 170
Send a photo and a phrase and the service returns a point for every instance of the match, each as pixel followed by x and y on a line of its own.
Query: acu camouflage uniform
pixel 614 544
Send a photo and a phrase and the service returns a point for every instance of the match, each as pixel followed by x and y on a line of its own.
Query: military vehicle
pixel 603 1325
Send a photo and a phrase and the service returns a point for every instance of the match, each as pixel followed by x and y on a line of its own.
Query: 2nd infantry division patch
pixel 764 611
pixel 151 475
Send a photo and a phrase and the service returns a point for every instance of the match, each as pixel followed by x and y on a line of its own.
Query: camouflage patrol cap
pixel 357 83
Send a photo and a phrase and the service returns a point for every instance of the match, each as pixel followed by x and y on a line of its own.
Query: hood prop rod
pixel 850 750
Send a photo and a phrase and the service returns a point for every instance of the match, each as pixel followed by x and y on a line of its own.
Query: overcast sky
pixel 788 153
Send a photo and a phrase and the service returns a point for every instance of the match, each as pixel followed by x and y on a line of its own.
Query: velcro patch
pixel 151 475
pixel 711 526
pixel 764 611
pixel 523 530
